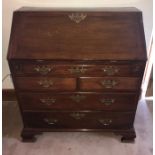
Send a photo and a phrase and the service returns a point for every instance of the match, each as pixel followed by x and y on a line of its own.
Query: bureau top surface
pixel 80 34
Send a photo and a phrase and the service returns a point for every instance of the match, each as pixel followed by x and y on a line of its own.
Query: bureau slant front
pixel 77 70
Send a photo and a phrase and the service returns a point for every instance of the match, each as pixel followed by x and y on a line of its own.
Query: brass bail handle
pixel 43 70
pixel 45 83
pixel 77 98
pixel 50 121
pixel 77 70
pixel 107 101
pixel 77 115
pixel 48 101
pixel 110 70
pixel 77 17
pixel 109 83
pixel 105 122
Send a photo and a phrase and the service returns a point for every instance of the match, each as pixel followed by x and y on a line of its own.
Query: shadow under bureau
pixel 77 70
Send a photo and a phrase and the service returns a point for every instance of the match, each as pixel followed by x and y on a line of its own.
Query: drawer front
pixel 47 68
pixel 78 120
pixel 79 101
pixel 37 83
pixel 116 83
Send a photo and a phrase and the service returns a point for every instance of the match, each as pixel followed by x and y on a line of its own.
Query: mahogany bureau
pixel 77 70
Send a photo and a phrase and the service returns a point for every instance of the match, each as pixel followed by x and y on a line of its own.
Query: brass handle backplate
pixel 110 70
pixel 43 70
pixel 77 17
pixel 109 83
pixel 45 83
pixel 50 121
pixel 107 101
pixel 48 101
pixel 77 70
pixel 77 98
pixel 77 115
pixel 105 122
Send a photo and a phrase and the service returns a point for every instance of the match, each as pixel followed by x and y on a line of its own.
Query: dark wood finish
pixel 77 70
pixel 100 36
pixel 75 120
pixel 127 83
pixel 127 135
pixel 109 69
pixel 41 83
pixel 29 136
pixel 78 101
pixel 8 95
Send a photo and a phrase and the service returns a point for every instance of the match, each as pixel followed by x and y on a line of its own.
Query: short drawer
pixel 79 101
pixel 78 120
pixel 39 83
pixel 55 69
pixel 107 83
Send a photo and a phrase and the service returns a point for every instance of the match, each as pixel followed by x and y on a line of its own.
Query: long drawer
pixel 53 69
pixel 78 101
pixel 109 83
pixel 78 120
pixel 41 83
